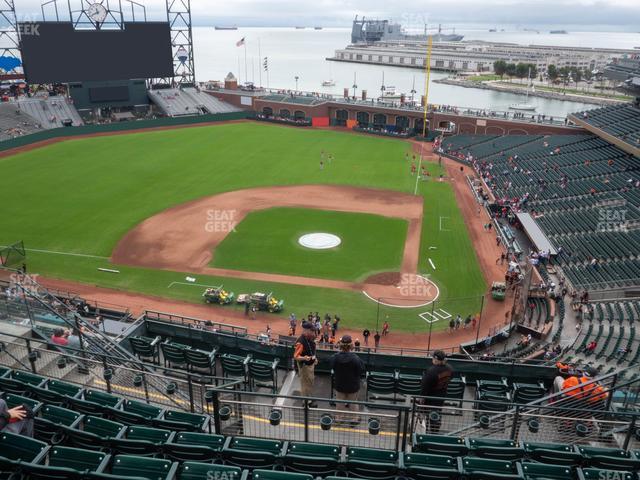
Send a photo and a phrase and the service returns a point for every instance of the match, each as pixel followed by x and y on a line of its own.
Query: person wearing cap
pixel 347 368
pixel 434 386
pixel 304 355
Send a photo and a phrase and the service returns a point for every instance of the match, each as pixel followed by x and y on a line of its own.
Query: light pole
pixel 297 78
pixel 355 85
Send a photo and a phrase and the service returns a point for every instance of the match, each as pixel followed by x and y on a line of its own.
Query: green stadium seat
pixel 383 383
pixel 201 361
pixel 66 463
pixel 245 452
pixel 181 421
pixel 234 366
pixel 609 458
pixel 133 412
pixel 51 421
pixel 427 466
pixel 94 402
pixel 372 463
pixel 495 448
pixel 146 348
pixel 475 468
pixel 93 433
pixel 141 441
pixel 200 471
pixel 10 385
pixel 408 384
pixel 194 447
pixel 28 378
pixel 55 393
pixel 600 474
pixel 20 448
pixel 140 467
pixel 543 471
pixel 311 458
pixel 554 453
pixel 263 374
pixel 279 475
pixel 439 444
pixel 455 390
pixel 17 400
pixel 173 354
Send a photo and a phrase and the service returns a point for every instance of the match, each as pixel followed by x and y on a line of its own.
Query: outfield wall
pixel 65 132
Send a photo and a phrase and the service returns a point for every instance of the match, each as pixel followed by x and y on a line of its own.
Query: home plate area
pixel 435 315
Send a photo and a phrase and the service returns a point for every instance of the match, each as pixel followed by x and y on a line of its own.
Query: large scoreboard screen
pixel 55 52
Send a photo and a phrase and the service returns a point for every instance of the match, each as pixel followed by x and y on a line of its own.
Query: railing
pixel 196 322
pixel 390 426
pixel 147 383
pixel 376 424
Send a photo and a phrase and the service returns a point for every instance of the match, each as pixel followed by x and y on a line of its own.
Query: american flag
pixel 240 42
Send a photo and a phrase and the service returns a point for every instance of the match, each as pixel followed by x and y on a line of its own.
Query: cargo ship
pixel 217 27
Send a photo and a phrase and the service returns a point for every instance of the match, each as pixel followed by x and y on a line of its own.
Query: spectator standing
pixel 365 334
pixel 434 385
pixel 305 356
pixel 385 329
pixel 347 370
pixel 335 325
pixel 293 324
pixel 376 340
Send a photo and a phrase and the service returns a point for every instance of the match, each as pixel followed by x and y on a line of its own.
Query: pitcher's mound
pixel 401 290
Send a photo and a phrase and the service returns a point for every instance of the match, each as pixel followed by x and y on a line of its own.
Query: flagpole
pixel 260 62
pixel 246 74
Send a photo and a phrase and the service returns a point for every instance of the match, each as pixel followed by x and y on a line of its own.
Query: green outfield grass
pixel 370 244
pixel 81 196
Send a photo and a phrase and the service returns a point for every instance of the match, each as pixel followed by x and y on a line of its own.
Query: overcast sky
pixel 622 13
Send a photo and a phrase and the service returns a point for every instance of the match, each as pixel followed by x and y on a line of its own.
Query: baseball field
pixel 226 204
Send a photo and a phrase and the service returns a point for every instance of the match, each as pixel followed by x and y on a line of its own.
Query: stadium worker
pixel 18 420
pixel 434 385
pixel 305 356
pixel 347 369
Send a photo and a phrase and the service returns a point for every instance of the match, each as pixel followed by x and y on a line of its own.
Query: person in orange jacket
pixel 582 387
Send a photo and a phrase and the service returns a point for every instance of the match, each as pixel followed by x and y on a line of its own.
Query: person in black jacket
pixel 434 386
pixel 15 420
pixel 347 369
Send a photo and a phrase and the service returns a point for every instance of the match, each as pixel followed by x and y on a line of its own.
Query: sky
pixel 621 14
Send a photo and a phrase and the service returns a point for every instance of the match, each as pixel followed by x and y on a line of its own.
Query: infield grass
pixel 81 196
pixel 267 241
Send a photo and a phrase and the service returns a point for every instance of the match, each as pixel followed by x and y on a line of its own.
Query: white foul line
pixel 84 255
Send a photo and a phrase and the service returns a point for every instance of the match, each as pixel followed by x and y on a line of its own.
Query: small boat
pixel 217 27
pixel 300 28
pixel 525 107
pixel 328 83
pixel 492 30
pixel 558 32
pixel 317 28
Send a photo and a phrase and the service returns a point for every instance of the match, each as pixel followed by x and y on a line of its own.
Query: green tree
pixel 522 70
pixel 552 73
pixel 500 68
pixel 511 70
